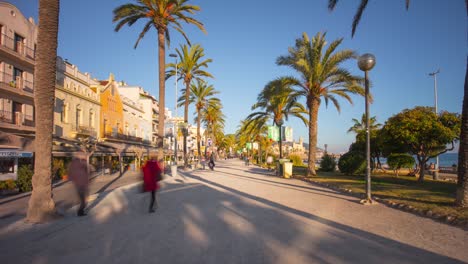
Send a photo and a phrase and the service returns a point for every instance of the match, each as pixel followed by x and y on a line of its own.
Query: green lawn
pixel 437 196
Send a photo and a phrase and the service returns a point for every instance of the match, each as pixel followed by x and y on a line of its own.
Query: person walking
pixel 152 173
pixel 78 173
pixel 211 163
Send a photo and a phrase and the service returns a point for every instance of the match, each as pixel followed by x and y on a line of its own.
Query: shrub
pixel 352 162
pixel 8 185
pixel 58 168
pixel 296 160
pixel 328 163
pixel 24 181
pixel 400 160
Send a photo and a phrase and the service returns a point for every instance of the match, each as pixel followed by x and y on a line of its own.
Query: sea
pixel 445 160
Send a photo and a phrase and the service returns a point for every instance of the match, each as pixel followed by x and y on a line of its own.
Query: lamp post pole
pixel 175 114
pixel 366 62
pixel 434 74
pixel 280 123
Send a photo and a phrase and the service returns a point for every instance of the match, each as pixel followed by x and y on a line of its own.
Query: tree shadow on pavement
pixel 283 185
pixel 197 223
pixel 279 183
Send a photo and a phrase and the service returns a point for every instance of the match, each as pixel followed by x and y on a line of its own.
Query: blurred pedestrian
pixel 269 162
pixel 211 163
pixel 78 173
pixel 152 174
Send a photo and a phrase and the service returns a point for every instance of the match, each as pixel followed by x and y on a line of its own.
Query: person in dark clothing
pixel 151 175
pixel 211 163
pixel 78 173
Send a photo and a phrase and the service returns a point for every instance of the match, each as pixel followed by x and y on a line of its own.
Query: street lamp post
pixel 366 62
pixel 434 74
pixel 175 114
pixel 280 123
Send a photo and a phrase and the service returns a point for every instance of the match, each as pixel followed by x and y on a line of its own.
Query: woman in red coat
pixel 151 175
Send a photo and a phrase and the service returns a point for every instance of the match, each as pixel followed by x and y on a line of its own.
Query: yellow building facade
pixel 112 117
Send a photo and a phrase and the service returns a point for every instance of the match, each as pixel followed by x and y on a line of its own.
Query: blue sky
pixel 245 37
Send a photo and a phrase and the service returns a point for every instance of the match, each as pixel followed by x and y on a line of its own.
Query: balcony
pixel 17 50
pixel 84 131
pixel 17 121
pixel 123 137
pixel 16 88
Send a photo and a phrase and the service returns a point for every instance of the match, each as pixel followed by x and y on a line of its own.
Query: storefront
pixel 10 160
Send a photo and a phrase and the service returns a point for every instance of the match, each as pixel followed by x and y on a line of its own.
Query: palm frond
pixel 357 17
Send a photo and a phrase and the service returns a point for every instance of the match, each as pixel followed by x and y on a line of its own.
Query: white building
pixel 149 106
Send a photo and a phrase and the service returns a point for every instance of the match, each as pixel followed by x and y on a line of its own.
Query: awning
pixel 12 141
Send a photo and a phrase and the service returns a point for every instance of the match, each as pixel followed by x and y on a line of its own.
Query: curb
pixel 446 219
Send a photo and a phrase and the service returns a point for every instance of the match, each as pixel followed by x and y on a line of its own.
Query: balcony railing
pixel 16 82
pixel 17 119
pixel 123 137
pixel 85 130
pixel 18 47
pixel 6 116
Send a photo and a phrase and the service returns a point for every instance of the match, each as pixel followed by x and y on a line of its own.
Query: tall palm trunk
pixel 162 70
pixel 313 104
pixel 462 185
pixel 41 206
pixel 186 104
pixel 198 133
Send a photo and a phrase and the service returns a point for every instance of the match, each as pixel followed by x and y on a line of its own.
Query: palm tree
pixel 254 130
pixel 201 96
pixel 248 130
pixel 462 183
pixel 360 126
pixel 190 68
pixel 321 76
pixel 277 101
pixel 160 14
pixel 41 206
pixel 214 120
pixel 228 143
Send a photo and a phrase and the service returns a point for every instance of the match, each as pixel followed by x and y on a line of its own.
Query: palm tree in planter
pixel 321 77
pixel 162 15
pixel 191 67
pixel 277 101
pixel 41 207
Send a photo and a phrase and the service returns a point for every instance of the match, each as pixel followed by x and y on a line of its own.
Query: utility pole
pixel 434 74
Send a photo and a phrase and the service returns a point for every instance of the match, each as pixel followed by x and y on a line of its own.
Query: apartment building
pixel 77 103
pixel 149 116
pixel 17 58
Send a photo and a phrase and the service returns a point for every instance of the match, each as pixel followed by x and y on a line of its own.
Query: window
pixel 17 73
pixel 116 129
pixel 91 118
pixel 79 116
pixel 19 43
pixel 7 165
pixel 1 34
pixel 105 127
pixel 65 113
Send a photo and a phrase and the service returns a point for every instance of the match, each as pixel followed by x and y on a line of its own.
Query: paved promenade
pixel 235 214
